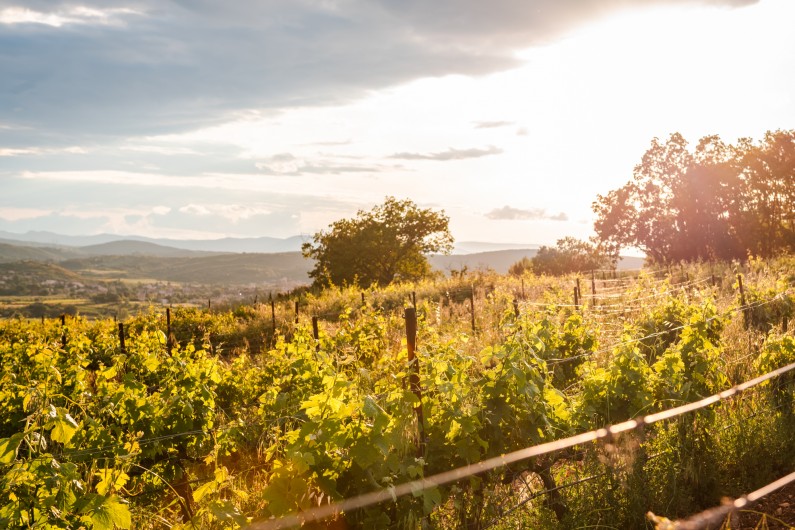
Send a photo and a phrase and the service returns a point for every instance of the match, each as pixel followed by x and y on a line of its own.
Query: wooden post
pixel 516 308
pixel 209 304
pixel 364 303
pixel 169 336
pixel 296 311
pixel 523 296
pixel 121 338
pixel 273 314
pixel 316 333
pixel 579 298
pixel 742 299
pixel 472 307
pixel 255 299
pixel 410 315
pixel 414 299
pixel 63 330
pixel 593 288
pixel 576 298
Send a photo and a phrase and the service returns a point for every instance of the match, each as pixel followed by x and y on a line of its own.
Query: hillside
pixel 497 260
pixel 227 244
pixel 128 247
pixel 10 253
pixel 239 269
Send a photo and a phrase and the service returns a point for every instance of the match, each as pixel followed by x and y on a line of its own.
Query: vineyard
pixel 481 401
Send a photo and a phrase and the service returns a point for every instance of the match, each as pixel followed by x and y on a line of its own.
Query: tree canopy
pixel 569 255
pixel 716 201
pixel 388 243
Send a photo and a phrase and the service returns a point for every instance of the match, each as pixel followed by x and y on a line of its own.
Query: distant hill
pixel 227 244
pixel 472 247
pixel 38 271
pixel 498 260
pixel 141 259
pixel 10 253
pixel 227 268
pixel 142 248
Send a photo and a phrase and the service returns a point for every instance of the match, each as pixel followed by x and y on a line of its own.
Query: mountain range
pixel 221 261
pixel 96 244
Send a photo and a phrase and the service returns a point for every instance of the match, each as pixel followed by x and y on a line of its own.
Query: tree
pixel 768 186
pixel 569 255
pixel 520 267
pixel 678 204
pixel 386 244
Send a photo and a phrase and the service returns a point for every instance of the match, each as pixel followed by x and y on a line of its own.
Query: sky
pixel 201 119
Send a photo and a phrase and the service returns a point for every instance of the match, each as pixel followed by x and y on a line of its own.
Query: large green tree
pixel 386 244
pixel 680 204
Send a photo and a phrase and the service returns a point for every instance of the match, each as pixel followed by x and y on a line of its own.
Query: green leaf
pixel 111 480
pixel 8 447
pixel 108 373
pixel 105 513
pixel 112 512
pixel 205 489
pixel 64 428
pixel 225 511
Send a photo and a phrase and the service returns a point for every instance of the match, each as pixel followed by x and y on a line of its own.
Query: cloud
pixel 450 154
pixel 288 164
pixel 18 214
pixel 150 67
pixel 508 213
pixel 37 151
pixel 492 124
pixel 230 212
pixel 66 16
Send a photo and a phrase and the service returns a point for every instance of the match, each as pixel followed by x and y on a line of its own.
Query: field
pixel 248 413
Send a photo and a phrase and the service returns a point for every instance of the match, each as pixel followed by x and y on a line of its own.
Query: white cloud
pixel 508 213
pixel 161 149
pixel 38 151
pixel 18 214
pixel 231 212
pixel 73 15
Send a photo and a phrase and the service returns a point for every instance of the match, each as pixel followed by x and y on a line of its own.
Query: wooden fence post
pixel 63 330
pixel 516 308
pixel 296 311
pixel 742 300
pixel 316 333
pixel 472 307
pixel 576 298
pixel 169 335
pixel 273 313
pixel 121 338
pixel 410 315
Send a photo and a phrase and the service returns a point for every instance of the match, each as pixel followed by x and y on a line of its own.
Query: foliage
pixel 211 433
pixel 569 255
pixel 385 244
pixel 521 267
pixel 716 202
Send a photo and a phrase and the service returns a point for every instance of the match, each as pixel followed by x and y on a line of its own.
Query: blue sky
pixel 206 119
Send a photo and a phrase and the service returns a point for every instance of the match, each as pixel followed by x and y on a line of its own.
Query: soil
pixel 774 511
